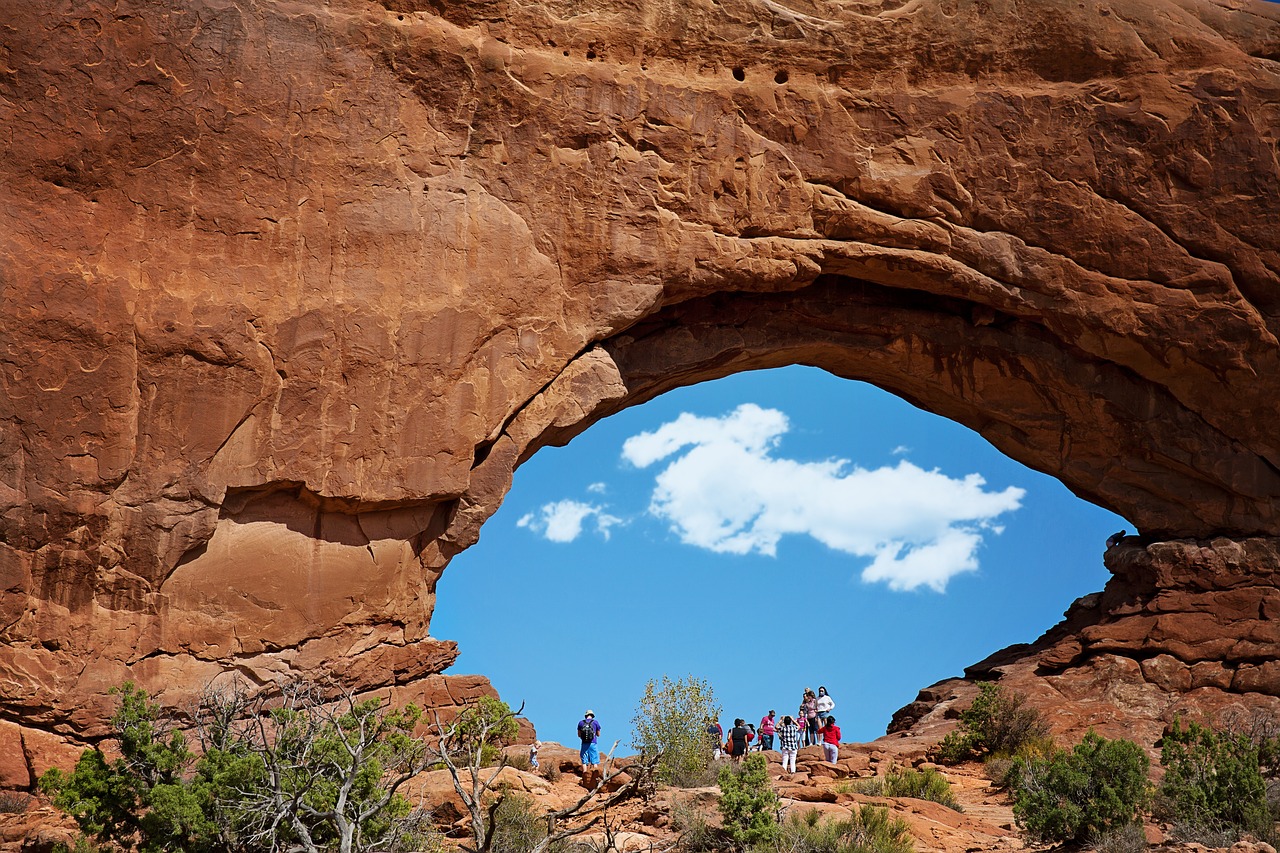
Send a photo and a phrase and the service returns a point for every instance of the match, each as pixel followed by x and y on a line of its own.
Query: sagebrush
pixel 997 721
pixel 869 829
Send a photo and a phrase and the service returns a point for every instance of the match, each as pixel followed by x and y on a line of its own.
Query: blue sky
pixel 768 532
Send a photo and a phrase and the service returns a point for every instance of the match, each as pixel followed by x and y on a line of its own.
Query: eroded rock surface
pixel 290 289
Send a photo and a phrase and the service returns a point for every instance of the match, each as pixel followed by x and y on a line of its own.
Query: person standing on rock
pixel 589 735
pixel 825 705
pixel 788 743
pixel 715 735
pixel 809 717
pixel 739 737
pixel 831 740
pixel 767 728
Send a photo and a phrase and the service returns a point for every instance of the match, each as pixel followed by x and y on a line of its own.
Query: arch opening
pixel 586 613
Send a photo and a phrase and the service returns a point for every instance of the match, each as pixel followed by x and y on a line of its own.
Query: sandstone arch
pixel 301 285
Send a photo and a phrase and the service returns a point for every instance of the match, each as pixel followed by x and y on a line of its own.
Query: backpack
pixel 586 731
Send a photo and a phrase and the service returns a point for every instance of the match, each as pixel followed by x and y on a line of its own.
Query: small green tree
pixel 1213 785
pixel 998 721
pixel 139 799
pixel 291 771
pixel 670 724
pixel 748 803
pixel 1097 787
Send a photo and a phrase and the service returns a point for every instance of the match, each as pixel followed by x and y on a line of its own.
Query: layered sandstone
pixel 1183 629
pixel 291 289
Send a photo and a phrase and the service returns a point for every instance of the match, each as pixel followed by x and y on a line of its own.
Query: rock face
pixel 291 289
pixel 1184 628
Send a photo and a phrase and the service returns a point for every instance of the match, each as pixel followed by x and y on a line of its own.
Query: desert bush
pixel 518 826
pixel 997 721
pixel 926 784
pixel 1129 838
pixel 869 829
pixel 301 773
pixel 13 802
pixel 549 770
pixel 696 834
pixel 1001 767
pixel 748 803
pixel 871 786
pixel 1213 789
pixel 670 722
pixel 520 761
pixel 1099 786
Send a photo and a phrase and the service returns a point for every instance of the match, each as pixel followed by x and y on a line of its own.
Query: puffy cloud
pixel 726 492
pixel 563 521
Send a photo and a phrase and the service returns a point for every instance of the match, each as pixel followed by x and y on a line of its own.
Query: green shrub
pixel 289 776
pixel 518 826
pixel 747 801
pixel 671 722
pixel 1213 789
pixel 869 829
pixel 1099 786
pixel 926 784
pixel 997 721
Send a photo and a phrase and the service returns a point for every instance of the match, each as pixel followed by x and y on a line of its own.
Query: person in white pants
pixel 788 743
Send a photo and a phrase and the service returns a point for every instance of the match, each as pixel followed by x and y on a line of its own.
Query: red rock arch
pixel 289 294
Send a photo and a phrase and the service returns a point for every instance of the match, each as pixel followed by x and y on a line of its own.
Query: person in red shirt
pixel 831 740
pixel 767 728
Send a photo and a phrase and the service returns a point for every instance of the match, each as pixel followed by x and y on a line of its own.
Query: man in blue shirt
pixel 589 735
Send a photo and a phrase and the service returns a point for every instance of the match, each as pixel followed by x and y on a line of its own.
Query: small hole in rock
pixel 781 77
pixel 591 54
pixel 739 74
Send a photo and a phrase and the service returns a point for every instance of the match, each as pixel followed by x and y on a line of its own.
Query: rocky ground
pixel 652 825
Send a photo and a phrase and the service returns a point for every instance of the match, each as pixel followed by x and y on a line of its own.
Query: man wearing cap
pixel 589 734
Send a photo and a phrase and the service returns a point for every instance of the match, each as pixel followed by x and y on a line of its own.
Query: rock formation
pixel 291 289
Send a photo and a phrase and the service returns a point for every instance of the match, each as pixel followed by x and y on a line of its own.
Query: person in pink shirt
pixel 768 726
pixel 831 740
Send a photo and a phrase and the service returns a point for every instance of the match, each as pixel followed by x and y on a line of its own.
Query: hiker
pixel 589 734
pixel 533 754
pixel 739 737
pixel 756 746
pixel 825 705
pixel 788 743
pixel 715 734
pixel 767 728
pixel 831 740
pixel 809 717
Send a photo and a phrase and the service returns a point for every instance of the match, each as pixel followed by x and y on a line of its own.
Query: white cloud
pixel 901 450
pixel 725 492
pixel 563 521
pixel 597 488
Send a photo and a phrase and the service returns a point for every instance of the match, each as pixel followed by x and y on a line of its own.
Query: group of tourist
pixel 812 724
